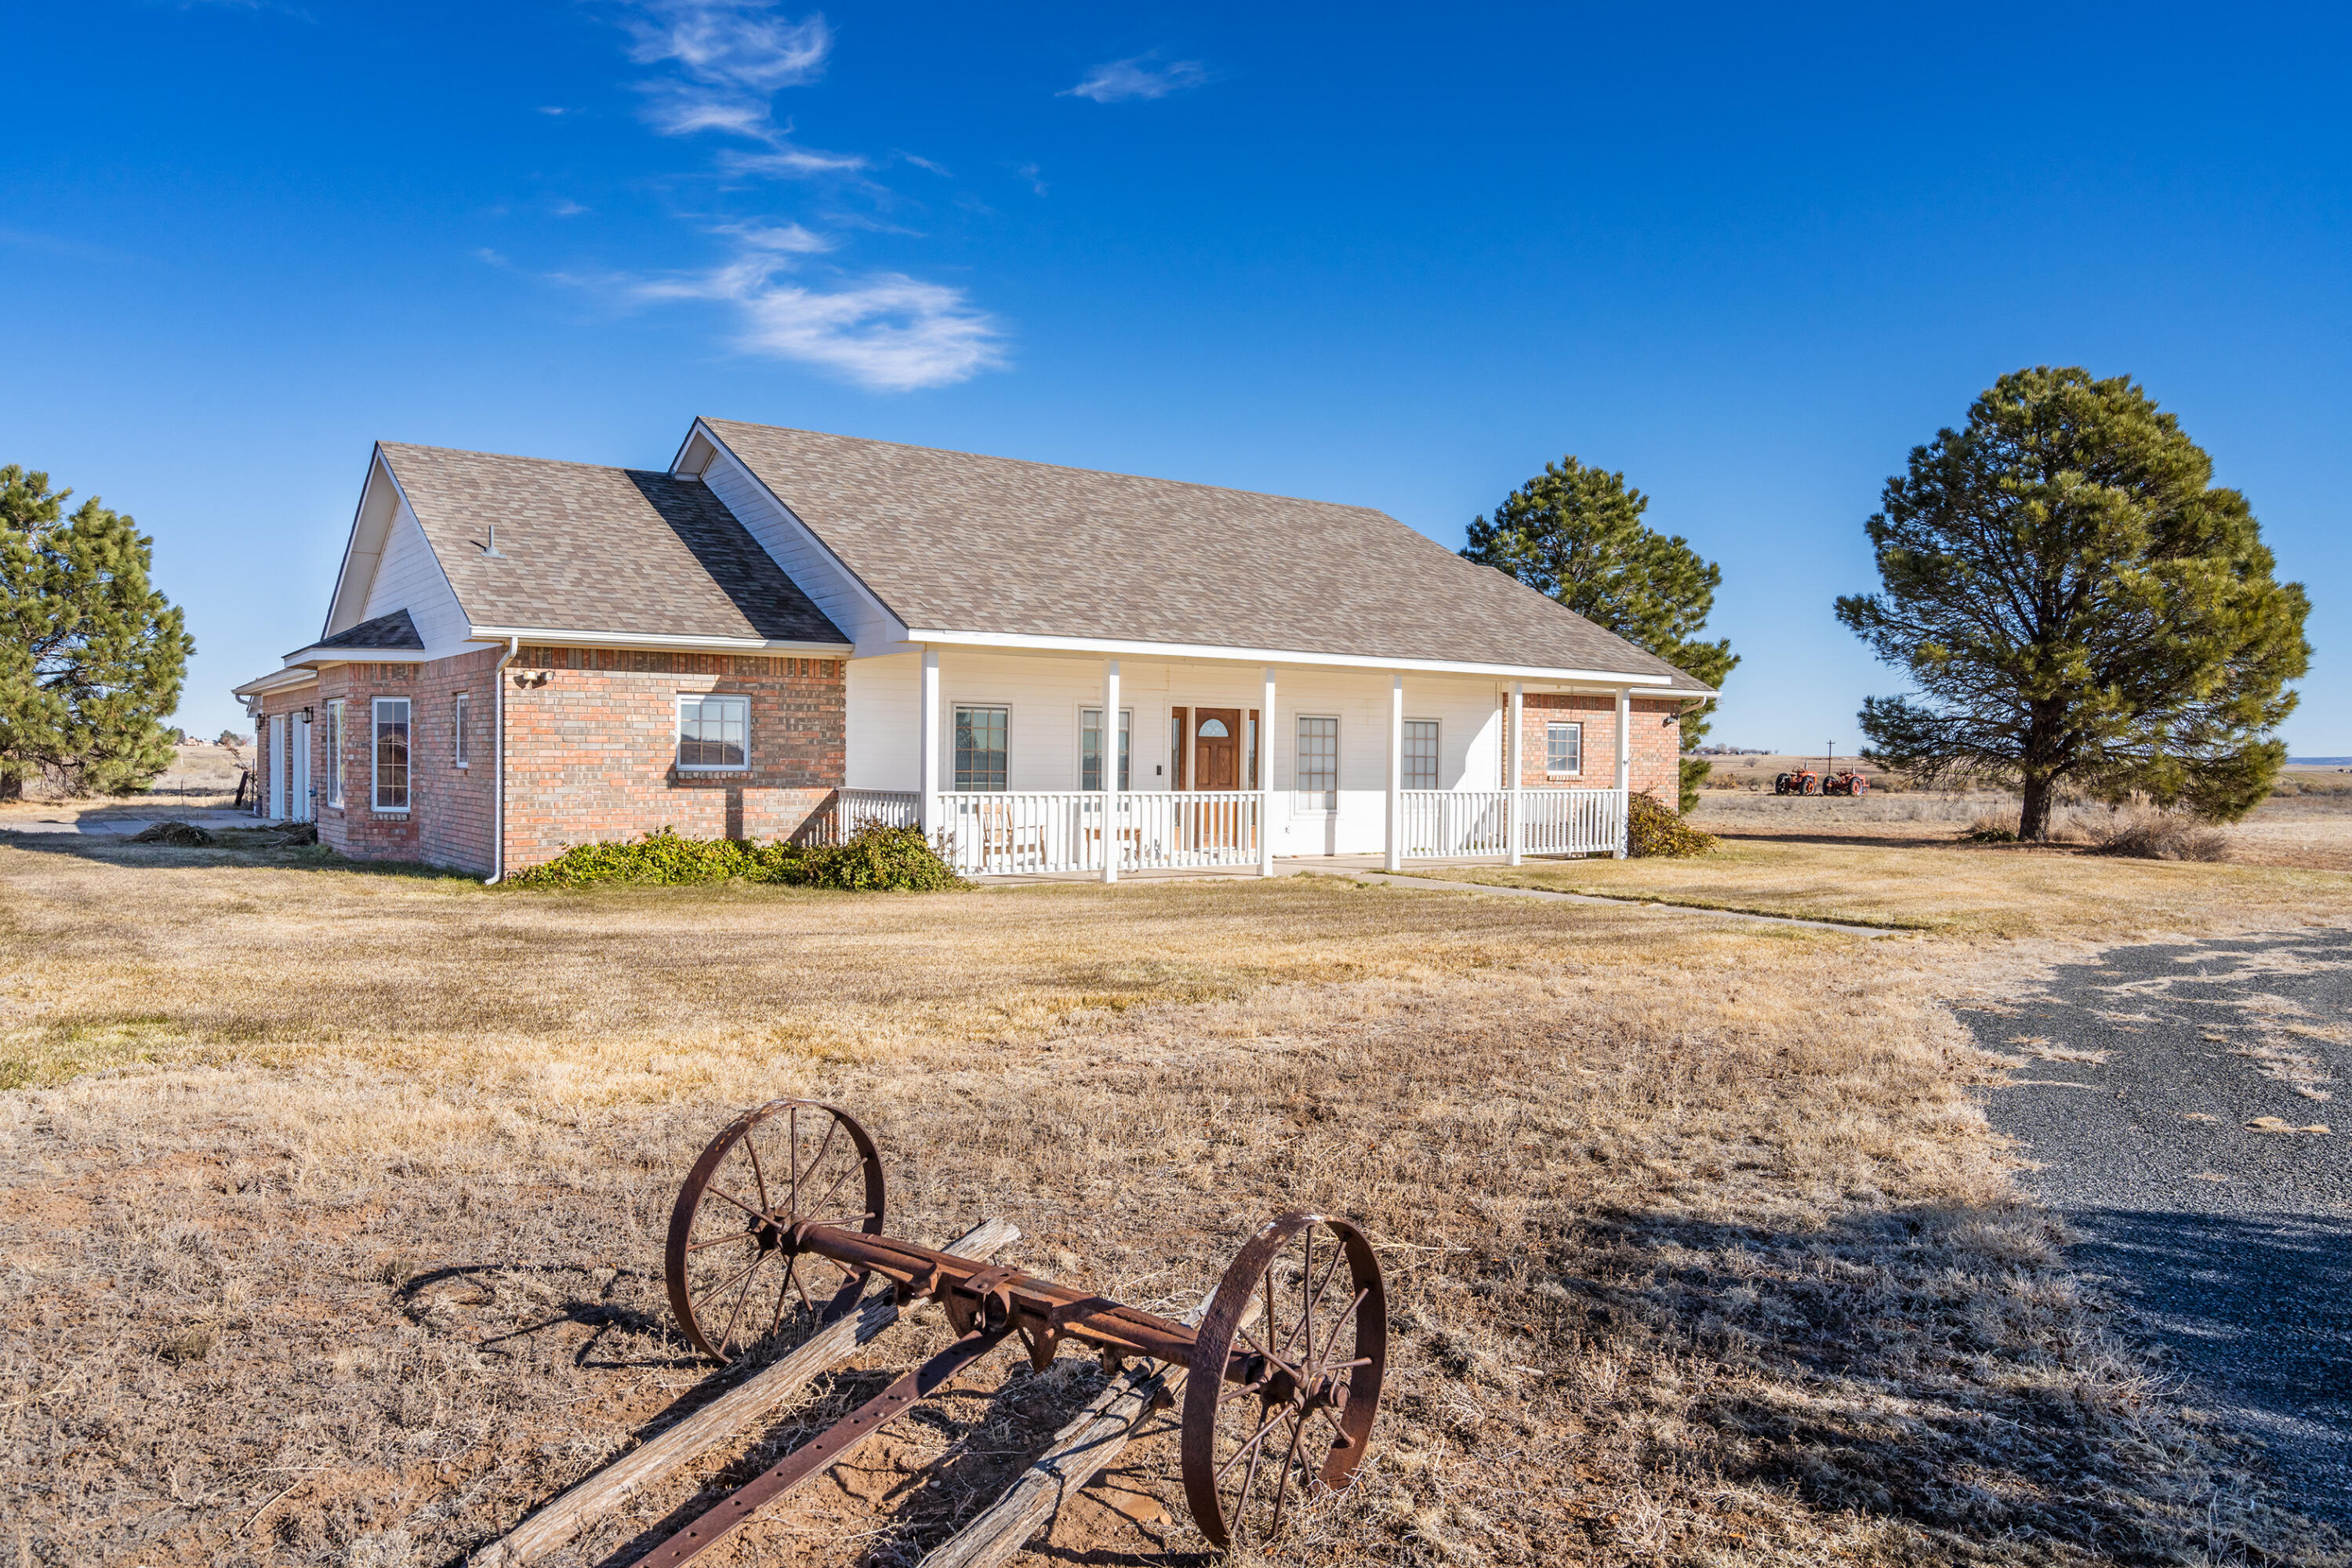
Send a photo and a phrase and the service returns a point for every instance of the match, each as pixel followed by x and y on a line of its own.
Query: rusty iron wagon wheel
pixel 736 1273
pixel 1295 1418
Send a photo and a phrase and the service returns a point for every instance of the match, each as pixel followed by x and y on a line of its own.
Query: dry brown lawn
pixel 331 1206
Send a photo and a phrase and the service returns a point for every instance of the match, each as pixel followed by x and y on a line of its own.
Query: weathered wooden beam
pixel 1092 1439
pixel 609 1487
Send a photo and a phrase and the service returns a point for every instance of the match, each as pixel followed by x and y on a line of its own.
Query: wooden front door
pixel 1216 748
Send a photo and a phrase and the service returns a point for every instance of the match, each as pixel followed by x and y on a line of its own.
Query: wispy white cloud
pixel 719 65
pixel 887 332
pixel 730 58
pixel 1140 76
pixel 1031 172
pixel 789 238
pixel 786 160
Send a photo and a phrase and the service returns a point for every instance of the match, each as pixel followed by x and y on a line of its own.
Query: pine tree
pixel 2080 607
pixel 1576 535
pixel 90 654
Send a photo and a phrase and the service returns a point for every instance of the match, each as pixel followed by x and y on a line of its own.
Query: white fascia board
pixel 547 636
pixel 863 588
pixel 276 680
pixel 315 657
pixel 351 552
pixel 1108 647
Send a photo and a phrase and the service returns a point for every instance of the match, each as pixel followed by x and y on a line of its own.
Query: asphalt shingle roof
pixel 396 630
pixel 582 548
pixel 950 540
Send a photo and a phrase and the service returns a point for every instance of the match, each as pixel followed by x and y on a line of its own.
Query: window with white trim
pixel 1090 747
pixel 335 751
pixel 1318 765
pixel 458 749
pixel 714 733
pixel 1421 754
pixel 979 735
pixel 391 753
pixel 1563 748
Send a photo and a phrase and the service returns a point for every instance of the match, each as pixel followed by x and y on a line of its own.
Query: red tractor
pixel 1803 781
pixel 1846 781
pixel 1830 780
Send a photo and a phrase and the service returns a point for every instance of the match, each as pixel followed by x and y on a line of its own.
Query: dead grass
pixel 350 1255
pixel 1968 890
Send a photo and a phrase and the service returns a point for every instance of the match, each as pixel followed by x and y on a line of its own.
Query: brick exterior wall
pixel 447 822
pixel 592 747
pixel 591 751
pixel 1658 735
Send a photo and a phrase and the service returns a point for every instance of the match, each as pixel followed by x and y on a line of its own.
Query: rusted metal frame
pixel 1043 1311
pixel 828 1447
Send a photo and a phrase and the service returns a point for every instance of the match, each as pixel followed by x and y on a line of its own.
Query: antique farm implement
pixel 779 1229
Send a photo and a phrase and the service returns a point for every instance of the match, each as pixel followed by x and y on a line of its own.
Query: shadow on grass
pixel 1948 1371
pixel 237 846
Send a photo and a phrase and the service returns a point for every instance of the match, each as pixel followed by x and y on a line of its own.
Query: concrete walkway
pixel 2162 1098
pixel 124 826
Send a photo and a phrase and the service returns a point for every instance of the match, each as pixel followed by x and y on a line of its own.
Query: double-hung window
pixel 335 751
pixel 457 748
pixel 392 753
pixel 1318 765
pixel 1090 746
pixel 979 747
pixel 714 733
pixel 1421 754
pixel 1563 748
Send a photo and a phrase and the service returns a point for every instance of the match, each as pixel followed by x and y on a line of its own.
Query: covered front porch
pixel 1224 767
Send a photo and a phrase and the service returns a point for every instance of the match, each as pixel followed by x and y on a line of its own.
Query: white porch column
pixel 1624 767
pixel 1107 756
pixel 1518 808
pixel 927 749
pixel 1266 778
pixel 1395 861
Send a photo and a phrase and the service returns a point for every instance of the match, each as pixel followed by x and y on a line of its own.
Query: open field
pixel 332 1200
pixel 201 777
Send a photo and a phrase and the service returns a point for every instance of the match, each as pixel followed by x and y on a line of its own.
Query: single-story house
pixel 787 633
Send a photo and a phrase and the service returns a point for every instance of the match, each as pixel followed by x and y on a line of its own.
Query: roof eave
pixel 563 637
pixel 1648 683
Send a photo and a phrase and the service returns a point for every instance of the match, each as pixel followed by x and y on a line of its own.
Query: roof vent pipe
pixel 491 548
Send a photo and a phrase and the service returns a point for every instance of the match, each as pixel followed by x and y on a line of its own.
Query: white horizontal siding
pixel 845 601
pixel 1046 695
pixel 409 577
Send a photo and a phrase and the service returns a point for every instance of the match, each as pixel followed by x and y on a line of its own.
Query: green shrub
pixel 663 859
pixel 875 858
pixel 1653 829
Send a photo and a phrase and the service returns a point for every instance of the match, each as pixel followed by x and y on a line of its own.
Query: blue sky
pixel 1399 257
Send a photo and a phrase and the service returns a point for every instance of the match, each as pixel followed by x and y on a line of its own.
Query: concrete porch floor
pixel 1283 866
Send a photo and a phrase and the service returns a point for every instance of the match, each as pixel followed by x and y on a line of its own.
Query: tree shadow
pixel 1946 1368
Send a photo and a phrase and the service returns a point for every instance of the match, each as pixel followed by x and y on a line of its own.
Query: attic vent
pixel 490 545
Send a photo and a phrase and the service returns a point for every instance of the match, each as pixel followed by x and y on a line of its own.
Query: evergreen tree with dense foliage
pixel 2080 607
pixel 1576 535
pixel 91 655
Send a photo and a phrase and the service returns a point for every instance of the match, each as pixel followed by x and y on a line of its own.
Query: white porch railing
pixel 1441 823
pixel 841 816
pixel 1012 831
pixel 1572 821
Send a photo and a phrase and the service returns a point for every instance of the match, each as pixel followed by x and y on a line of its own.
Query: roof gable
pixel 951 541
pixel 396 630
pixel 581 548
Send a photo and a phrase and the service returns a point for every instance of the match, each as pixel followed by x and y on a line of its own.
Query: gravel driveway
pixel 2148 1075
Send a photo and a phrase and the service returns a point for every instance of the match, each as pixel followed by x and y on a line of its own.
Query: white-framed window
pixel 1421 754
pixel 1563 748
pixel 458 749
pixel 1319 763
pixel 714 733
pixel 391 753
pixel 1090 747
pixel 980 745
pixel 335 751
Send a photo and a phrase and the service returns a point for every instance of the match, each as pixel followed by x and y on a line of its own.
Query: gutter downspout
pixel 499 765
